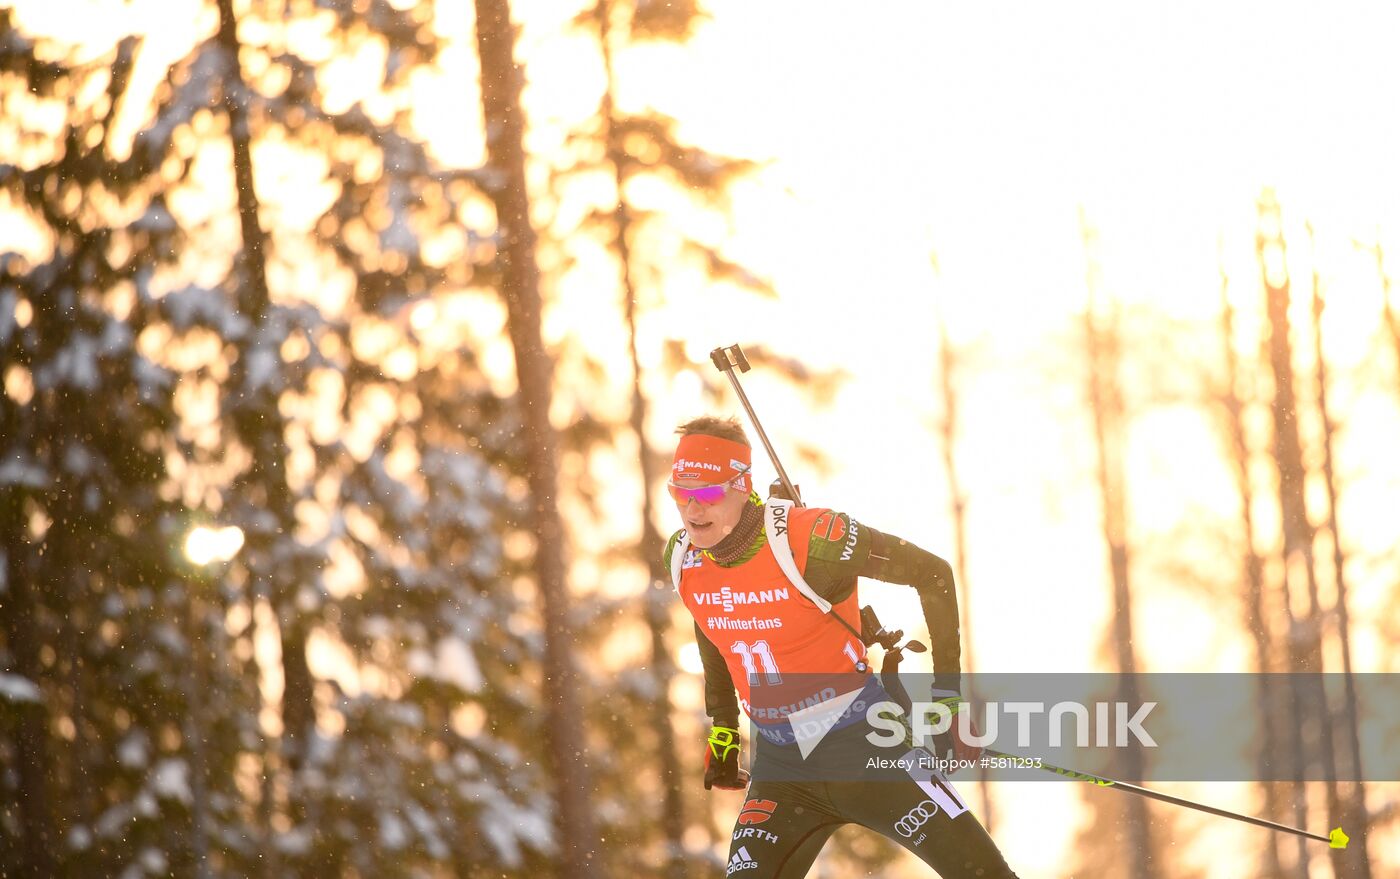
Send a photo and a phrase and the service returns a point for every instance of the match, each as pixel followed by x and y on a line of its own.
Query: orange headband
pixel 710 458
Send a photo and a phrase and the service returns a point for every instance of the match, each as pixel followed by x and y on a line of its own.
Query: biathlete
pixel 773 590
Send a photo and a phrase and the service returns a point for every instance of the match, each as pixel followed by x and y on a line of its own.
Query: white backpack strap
pixel 777 514
pixel 678 559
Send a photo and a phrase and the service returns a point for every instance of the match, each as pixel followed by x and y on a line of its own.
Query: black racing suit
pixel 788 816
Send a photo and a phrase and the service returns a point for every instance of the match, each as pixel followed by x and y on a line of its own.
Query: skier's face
pixel 707 524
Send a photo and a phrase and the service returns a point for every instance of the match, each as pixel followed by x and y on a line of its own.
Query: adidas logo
pixel 741 861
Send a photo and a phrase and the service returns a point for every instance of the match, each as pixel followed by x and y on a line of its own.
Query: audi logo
pixel 916 817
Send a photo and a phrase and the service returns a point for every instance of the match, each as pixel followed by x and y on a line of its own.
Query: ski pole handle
pixel 727 360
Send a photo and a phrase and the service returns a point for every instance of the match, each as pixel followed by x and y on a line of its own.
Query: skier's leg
pixel 928 817
pixel 779 831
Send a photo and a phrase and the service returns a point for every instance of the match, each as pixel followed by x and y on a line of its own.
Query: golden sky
pixel 894 131
pixel 978 132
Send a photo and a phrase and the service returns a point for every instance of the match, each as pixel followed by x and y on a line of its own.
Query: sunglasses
pixel 705 494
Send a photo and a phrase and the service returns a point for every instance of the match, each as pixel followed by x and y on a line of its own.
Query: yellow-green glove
pixel 722 769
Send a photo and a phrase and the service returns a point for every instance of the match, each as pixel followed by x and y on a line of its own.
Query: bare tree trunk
pixel 658 599
pixel 1106 404
pixel 1311 713
pixel 19 616
pixel 79 802
pixel 1267 704
pixel 1389 312
pixel 957 498
pixel 259 425
pixel 196 624
pixel 501 85
pixel 1354 808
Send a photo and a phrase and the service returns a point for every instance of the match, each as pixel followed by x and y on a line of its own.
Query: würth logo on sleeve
pixel 852 535
pixel 757 811
pixel 829 526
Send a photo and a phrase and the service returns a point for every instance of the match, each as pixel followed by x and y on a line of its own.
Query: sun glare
pixel 205 545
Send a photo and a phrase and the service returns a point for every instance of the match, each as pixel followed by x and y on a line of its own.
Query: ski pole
pixel 895 687
pixel 1335 839
pixel 726 360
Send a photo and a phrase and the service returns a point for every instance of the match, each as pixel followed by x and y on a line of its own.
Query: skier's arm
pixel 721 703
pixel 895 560
pixel 722 763
pixel 842 549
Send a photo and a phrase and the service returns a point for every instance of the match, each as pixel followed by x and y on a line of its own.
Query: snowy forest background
pixel 244 286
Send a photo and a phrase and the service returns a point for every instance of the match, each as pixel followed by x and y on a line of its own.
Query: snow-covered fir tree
pixel 104 755
pixel 375 497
